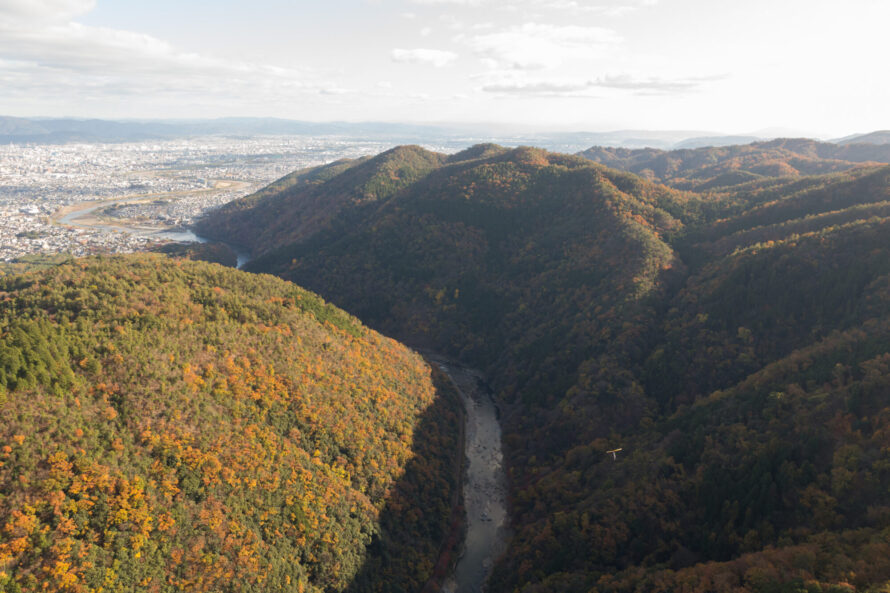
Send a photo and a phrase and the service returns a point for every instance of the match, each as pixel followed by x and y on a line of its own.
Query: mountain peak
pixel 478 151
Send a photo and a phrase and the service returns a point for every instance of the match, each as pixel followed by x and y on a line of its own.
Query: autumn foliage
pixel 733 342
pixel 176 426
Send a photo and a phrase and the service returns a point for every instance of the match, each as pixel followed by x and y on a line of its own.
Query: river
pixel 485 485
pixel 81 215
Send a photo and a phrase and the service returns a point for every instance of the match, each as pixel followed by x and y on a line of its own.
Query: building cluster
pixel 139 187
pixel 25 234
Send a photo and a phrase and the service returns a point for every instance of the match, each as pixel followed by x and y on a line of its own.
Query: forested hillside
pixel 705 169
pixel 497 258
pixel 763 461
pixel 178 426
pixel 298 205
pixel 733 343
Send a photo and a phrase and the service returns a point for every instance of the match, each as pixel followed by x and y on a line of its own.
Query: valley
pixel 732 342
pixel 444 296
pixel 610 312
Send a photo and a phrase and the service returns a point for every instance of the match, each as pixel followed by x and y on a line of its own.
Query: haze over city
pixel 805 66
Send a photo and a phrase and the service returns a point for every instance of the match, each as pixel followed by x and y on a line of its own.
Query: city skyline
pixel 805 67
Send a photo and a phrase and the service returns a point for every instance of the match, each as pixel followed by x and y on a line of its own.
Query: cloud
pixel 431 57
pixel 608 8
pixel 47 55
pixel 538 87
pixel 532 46
pixel 335 91
pixel 74 47
pixel 450 2
pixel 520 85
pixel 653 84
pixel 44 10
pixel 599 8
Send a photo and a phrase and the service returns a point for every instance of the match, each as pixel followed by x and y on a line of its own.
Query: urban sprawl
pixel 111 198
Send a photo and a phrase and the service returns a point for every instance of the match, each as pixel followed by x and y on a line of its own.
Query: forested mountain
pixel 178 426
pixel 324 192
pixel 734 344
pixel 493 256
pixel 763 462
pixel 704 169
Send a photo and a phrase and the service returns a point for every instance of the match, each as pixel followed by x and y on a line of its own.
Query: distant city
pixel 87 198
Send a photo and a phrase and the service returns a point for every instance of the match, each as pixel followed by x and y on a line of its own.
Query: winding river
pixel 485 485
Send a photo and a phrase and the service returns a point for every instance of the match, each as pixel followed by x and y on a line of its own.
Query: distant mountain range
pixel 59 131
pixel 715 167
pixel 64 130
pixel 881 137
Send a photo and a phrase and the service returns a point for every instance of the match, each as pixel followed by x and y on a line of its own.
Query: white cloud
pixel 426 31
pixel 335 91
pixel 538 87
pixel 44 10
pixel 451 2
pixel 107 52
pixel 654 85
pixel 45 53
pixel 519 84
pixel 599 8
pixel 533 46
pixel 608 8
pixel 432 57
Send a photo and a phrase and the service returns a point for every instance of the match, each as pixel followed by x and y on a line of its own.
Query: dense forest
pixel 734 342
pixel 706 169
pixel 179 426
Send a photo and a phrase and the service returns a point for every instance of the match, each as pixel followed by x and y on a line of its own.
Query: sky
pixel 726 66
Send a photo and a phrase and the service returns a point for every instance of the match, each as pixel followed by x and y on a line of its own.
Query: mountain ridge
pixel 61 130
pixel 610 311
pixel 712 168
